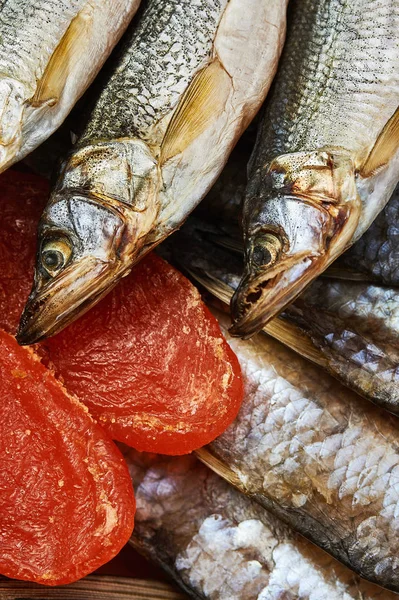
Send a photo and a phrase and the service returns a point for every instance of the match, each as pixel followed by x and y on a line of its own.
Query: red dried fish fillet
pixel 66 499
pixel 151 363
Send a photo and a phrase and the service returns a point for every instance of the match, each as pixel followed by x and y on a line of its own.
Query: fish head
pixel 306 218
pixel 87 243
pixel 76 258
pixel 12 104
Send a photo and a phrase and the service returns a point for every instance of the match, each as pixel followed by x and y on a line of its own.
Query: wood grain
pixel 94 587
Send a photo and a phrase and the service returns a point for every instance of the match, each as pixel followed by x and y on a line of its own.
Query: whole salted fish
pixel 326 159
pixel 375 257
pixel 315 454
pixel 188 79
pixel 50 51
pixel 220 545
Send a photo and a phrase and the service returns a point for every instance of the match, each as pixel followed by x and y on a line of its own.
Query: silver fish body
pixel 186 82
pixel 326 159
pixel 50 51
pixel 355 326
pixel 220 545
pixel 316 455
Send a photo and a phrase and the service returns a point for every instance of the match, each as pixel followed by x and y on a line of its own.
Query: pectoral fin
pixel 203 101
pixel 384 149
pixel 67 53
pixel 291 336
pixel 336 271
pixel 220 468
pixel 287 333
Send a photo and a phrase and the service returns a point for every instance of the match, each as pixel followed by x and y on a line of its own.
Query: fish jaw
pixel 90 234
pixel 307 220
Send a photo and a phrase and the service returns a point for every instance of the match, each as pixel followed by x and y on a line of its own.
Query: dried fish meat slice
pixel 66 499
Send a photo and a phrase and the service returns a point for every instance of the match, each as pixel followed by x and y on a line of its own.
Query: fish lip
pixel 59 303
pixel 250 318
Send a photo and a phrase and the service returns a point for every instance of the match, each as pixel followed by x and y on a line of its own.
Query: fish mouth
pixel 261 297
pixel 57 303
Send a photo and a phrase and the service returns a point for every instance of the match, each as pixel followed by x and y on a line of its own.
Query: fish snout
pixel 262 295
pixel 53 304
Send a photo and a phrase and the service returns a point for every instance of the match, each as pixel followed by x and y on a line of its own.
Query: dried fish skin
pixel 50 52
pixel 355 325
pixel 188 79
pixel 326 159
pixel 221 545
pixel 375 257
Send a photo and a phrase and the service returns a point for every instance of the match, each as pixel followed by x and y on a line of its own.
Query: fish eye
pixel 266 250
pixel 55 255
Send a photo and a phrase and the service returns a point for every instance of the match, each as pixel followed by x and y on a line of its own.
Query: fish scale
pixel 357 333
pixel 161 24
pixel 343 56
pixel 302 442
pixel 375 256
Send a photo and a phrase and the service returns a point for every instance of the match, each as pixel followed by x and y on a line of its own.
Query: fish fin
pixel 214 286
pixel 202 102
pixel 52 83
pixel 340 272
pixel 228 242
pixel 386 146
pixel 291 336
pixel 220 468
